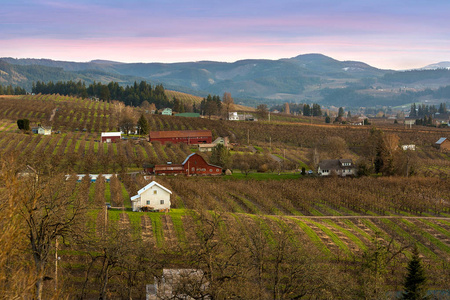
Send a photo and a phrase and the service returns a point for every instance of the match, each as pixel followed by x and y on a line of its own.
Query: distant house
pixel 442 119
pixel 443 144
pixel 43 130
pixel 152 197
pixel 173 282
pixel 194 164
pixel 340 167
pixel 110 137
pixel 209 147
pixel 182 136
pixel 233 116
pixel 166 112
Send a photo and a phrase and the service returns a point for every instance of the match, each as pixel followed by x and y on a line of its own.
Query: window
pixel 161 201
pixel 210 170
pixel 155 192
pixel 148 202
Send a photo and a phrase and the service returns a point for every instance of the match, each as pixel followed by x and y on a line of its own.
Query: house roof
pixel 179 133
pixel 329 164
pixel 345 161
pixel 441 140
pixel 206 145
pixel 108 134
pixel 153 183
pixel 333 164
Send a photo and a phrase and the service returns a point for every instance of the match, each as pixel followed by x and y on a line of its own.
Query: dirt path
pixel 53 114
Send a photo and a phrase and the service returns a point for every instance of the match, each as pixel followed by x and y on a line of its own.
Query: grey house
pixel 340 167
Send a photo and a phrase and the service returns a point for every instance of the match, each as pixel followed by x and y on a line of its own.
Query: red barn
pixel 110 137
pixel 182 136
pixel 194 164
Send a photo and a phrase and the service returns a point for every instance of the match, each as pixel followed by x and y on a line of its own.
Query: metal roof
pixel 179 134
pixel 109 134
pixel 440 141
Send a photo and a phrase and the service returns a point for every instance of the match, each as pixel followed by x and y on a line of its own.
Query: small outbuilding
pixel 110 137
pixel 443 144
pixel 152 197
pixel 42 130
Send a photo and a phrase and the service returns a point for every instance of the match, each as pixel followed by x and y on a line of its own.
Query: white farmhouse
pixel 152 197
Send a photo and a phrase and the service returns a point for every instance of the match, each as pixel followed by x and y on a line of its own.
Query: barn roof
pixel 187 158
pixel 441 140
pixel 179 134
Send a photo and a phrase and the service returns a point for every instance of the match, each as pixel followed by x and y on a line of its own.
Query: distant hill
pixel 440 65
pixel 304 78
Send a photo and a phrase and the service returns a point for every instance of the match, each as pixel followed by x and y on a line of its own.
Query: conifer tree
pixel 143 125
pixel 414 286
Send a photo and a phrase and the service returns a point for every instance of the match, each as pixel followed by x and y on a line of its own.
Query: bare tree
pixel 51 208
pixel 228 103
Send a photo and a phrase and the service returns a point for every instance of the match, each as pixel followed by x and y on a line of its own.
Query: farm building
pixel 233 116
pixel 194 164
pixel 166 112
pixel 43 130
pixel 340 167
pixel 443 144
pixel 152 197
pixel 409 147
pixel 182 136
pixel 110 137
pixel 209 147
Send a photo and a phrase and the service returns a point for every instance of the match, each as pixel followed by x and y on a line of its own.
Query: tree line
pixel 423 110
pixel 10 90
pixel 133 95
pixel 299 108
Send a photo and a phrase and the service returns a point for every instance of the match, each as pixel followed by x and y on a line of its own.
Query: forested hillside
pixel 312 78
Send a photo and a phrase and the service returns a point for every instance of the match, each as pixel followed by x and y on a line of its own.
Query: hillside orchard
pixel 266 231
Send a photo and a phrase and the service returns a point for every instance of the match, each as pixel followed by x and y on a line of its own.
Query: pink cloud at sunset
pixel 386 34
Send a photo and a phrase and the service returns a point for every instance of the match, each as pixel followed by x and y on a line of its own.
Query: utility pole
pixel 56 263
pixel 248 137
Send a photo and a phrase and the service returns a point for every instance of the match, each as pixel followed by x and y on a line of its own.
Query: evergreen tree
pixel 340 112
pixel 316 110
pixel 327 119
pixel 221 156
pixel 413 112
pixel 143 125
pixel 415 279
pixel 306 110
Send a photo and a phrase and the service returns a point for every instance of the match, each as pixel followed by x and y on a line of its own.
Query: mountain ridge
pixel 302 78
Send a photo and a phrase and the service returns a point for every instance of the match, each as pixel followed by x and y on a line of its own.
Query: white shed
pixel 152 197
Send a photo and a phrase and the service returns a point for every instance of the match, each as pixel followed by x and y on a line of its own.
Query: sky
pixel 389 34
